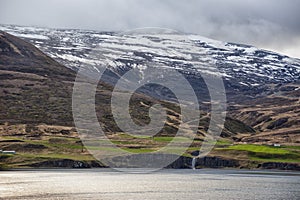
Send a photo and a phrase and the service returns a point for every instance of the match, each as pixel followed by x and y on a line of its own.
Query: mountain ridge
pixel 246 70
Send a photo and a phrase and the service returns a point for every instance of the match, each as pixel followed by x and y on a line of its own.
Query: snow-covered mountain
pixel 263 87
pixel 243 67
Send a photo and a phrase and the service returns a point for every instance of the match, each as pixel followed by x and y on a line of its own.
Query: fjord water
pixel 165 184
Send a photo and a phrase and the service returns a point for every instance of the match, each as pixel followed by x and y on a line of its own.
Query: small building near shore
pixel 8 152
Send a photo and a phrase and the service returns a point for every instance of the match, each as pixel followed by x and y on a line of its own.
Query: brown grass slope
pixel 33 87
pixel 276 117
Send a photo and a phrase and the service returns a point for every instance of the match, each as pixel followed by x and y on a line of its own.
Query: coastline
pixel 209 162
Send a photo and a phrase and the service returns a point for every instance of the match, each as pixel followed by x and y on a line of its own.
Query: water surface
pixel 166 185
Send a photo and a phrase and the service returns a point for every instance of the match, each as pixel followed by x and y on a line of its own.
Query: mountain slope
pixel 262 87
pixel 276 117
pixel 251 76
pixel 36 97
pixel 247 71
pixel 34 88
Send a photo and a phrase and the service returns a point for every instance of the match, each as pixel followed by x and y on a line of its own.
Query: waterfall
pixel 194 163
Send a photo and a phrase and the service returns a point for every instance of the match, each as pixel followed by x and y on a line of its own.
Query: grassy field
pixel 30 151
pixel 267 153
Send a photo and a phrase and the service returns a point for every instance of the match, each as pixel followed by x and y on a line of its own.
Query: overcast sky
pixel 270 24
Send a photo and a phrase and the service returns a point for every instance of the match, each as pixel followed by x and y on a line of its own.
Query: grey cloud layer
pixel 267 23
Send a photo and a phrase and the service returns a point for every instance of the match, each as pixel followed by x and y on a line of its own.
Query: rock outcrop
pixel 67 163
pixel 280 166
pixel 205 162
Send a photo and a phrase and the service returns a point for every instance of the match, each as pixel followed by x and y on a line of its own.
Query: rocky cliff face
pixel 205 162
pixel 67 163
pixel 218 162
pixel 280 166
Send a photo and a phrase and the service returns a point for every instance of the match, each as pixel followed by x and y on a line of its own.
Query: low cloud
pixel 265 23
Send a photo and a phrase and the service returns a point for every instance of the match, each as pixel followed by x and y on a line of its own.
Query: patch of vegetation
pixel 223 142
pixel 259 149
pixel 56 156
pixel 62 147
pixel 236 126
pixel 279 159
pixel 139 150
pixel 169 139
pixel 267 153
pixel 3 167
pixel 291 147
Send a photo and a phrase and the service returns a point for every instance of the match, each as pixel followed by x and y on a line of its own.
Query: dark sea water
pixel 164 185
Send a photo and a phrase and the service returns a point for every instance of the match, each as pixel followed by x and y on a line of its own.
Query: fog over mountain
pixel 267 24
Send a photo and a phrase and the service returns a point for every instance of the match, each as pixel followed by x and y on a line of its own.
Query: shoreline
pixel 227 171
pixel 108 169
